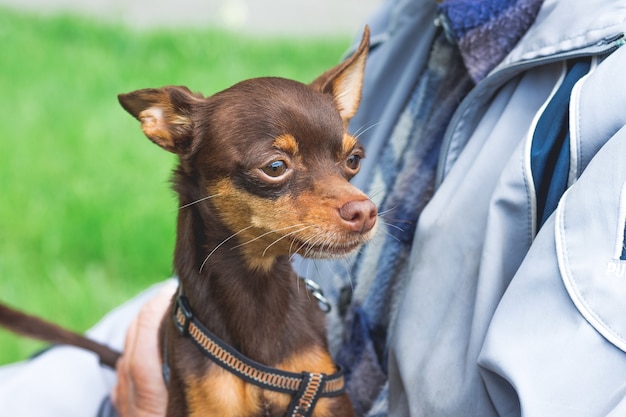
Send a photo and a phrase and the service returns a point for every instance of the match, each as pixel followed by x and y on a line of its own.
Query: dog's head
pixel 271 157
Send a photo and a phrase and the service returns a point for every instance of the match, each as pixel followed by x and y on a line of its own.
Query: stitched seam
pixel 571 286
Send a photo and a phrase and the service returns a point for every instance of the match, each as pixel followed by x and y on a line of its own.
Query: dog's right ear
pixel 165 115
pixel 345 81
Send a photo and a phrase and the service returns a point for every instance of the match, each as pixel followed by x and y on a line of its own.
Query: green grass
pixel 86 212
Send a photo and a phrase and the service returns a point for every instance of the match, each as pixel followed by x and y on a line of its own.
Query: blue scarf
pixel 486 30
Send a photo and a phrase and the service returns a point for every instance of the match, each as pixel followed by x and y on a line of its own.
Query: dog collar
pixel 306 387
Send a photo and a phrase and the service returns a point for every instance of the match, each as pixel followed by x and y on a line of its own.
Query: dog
pixel 263 174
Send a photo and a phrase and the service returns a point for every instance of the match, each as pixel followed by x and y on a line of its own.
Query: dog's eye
pixel 353 162
pixel 275 169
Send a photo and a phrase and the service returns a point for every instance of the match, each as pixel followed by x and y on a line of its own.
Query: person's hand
pixel 140 390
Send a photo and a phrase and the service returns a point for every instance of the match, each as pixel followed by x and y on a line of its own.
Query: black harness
pixel 305 388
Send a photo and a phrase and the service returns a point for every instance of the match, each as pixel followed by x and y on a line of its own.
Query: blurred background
pixel 87 215
pixel 257 17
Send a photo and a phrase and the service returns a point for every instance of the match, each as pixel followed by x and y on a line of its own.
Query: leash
pixel 306 388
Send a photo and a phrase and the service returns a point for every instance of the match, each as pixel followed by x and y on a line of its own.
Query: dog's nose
pixel 359 216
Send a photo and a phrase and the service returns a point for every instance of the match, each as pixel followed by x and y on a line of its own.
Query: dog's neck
pixel 242 305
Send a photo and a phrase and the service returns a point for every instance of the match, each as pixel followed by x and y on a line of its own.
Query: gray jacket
pixel 497 318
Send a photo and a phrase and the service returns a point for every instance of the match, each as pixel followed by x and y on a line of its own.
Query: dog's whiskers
pixel 382 213
pixel 383 230
pixel 198 201
pixel 220 244
pixel 389 222
pixel 388 219
pixel 372 194
pixel 348 267
pixel 291 253
pixel 268 233
pixel 360 131
pixel 395 226
pixel 320 242
pixel 285 236
pixel 304 244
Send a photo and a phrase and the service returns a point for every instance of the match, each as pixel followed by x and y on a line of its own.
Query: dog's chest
pixel 221 393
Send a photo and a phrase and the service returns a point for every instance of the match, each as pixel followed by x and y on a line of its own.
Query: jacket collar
pixel 493 34
pixel 564 27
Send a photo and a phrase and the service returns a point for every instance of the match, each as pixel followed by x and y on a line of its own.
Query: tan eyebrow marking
pixel 349 142
pixel 286 143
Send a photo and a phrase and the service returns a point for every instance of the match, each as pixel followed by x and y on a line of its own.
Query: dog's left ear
pixel 165 115
pixel 345 81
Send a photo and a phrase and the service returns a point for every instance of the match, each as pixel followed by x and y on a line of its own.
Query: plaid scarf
pixel 403 183
pixel 486 30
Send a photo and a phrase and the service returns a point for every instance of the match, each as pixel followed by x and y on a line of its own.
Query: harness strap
pixel 304 401
pixel 306 387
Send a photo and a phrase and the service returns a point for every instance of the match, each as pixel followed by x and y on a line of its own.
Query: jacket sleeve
pixel 65 381
pixel 556 344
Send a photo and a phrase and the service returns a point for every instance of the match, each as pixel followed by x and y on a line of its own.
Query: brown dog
pixel 263 174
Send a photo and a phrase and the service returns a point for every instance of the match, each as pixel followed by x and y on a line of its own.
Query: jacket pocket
pixel 590 228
